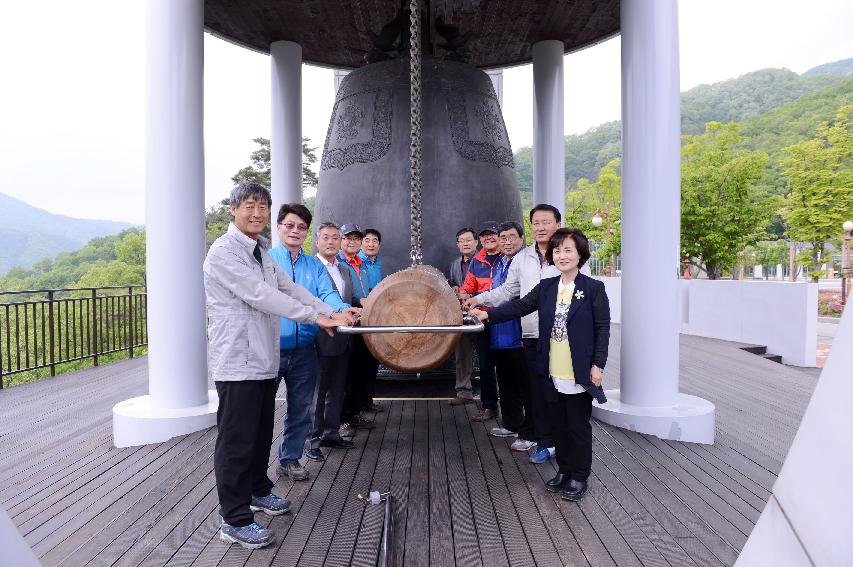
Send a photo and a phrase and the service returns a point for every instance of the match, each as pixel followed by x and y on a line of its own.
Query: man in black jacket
pixel 466 241
pixel 333 353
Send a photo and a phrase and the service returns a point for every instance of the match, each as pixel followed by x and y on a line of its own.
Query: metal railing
pixel 44 328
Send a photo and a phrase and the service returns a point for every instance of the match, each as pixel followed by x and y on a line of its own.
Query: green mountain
pixel 843 67
pixel 30 234
pixel 751 95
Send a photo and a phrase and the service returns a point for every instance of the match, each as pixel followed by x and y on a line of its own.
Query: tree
pixel 720 214
pixel 604 196
pixel 820 175
pixel 116 272
pixel 259 171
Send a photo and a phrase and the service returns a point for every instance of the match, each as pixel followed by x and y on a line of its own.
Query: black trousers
pixel 511 369
pixel 329 398
pixel 572 431
pixel 361 379
pixel 241 457
pixel 538 407
pixel 488 380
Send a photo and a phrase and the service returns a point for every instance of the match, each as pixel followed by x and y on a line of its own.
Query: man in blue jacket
pixel 370 245
pixel 372 265
pixel 298 363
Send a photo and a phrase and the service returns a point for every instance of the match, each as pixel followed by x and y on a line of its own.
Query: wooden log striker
pixel 419 295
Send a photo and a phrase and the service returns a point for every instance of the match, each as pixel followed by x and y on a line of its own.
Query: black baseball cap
pixel 488 226
pixel 351 228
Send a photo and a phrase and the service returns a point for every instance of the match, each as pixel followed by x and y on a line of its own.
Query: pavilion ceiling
pixel 336 33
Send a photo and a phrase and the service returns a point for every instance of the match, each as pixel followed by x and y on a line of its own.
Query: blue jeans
pixel 298 368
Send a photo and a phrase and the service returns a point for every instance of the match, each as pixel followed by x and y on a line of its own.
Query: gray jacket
pixel 339 343
pixel 244 302
pixel 523 275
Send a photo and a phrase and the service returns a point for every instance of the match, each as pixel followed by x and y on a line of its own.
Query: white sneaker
pixel 522 445
pixel 501 432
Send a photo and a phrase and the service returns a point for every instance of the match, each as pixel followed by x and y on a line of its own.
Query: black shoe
pixel 337 443
pixel 574 491
pixel 315 454
pixel 556 484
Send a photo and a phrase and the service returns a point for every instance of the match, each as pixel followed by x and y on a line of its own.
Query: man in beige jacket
pixel 246 293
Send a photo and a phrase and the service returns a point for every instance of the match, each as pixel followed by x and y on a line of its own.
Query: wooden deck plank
pixel 140 510
pixel 537 535
pixel 515 543
pixel 367 542
pixel 117 494
pixel 466 548
pixel 341 547
pixel 684 488
pixel 417 544
pixel 485 518
pixel 649 487
pixel 564 537
pixel 440 531
pixel 400 480
pixel 342 492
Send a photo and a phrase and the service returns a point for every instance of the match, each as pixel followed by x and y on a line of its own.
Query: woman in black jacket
pixel 575 313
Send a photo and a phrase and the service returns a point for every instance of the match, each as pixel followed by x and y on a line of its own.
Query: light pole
pixel 597 221
pixel 845 260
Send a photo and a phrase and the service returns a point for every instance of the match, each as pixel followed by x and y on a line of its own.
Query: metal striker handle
pixel 471 325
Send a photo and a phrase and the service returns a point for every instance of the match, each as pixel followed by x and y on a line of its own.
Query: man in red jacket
pixel 479 279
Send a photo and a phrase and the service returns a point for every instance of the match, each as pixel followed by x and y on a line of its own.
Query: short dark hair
pixel 374 232
pixel 327 224
pixel 464 230
pixel 297 209
pixel 546 207
pixel 247 190
pixel 578 237
pixel 509 225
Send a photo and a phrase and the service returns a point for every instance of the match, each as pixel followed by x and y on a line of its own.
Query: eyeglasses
pixel 301 227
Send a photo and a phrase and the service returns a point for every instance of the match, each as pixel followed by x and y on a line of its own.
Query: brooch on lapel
pixel 579 294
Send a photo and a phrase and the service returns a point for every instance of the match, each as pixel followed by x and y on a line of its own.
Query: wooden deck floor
pixel 463 497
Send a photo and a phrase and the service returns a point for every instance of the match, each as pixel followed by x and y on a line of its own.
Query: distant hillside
pixel 29 234
pixel 792 123
pixel 740 99
pixel 843 67
pixel 749 95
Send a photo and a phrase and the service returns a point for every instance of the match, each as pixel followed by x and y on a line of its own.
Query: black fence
pixel 40 329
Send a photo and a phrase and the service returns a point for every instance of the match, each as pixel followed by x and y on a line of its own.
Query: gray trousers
pixel 464 366
pixel 329 398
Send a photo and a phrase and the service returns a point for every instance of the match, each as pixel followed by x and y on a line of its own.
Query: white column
pixel 179 401
pixel 497 78
pixel 813 528
pixel 339 77
pixel 286 138
pixel 549 161
pixel 649 400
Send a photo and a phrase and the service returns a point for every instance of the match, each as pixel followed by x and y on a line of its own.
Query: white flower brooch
pixel 579 294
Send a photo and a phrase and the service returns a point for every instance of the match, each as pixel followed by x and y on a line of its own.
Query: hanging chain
pixel 415 154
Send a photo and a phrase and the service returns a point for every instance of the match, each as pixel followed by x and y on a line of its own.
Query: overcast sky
pixel 72 80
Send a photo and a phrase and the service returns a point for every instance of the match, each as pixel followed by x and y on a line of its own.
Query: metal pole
pixel 130 322
pixel 95 348
pixel 51 325
pixel 386 555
